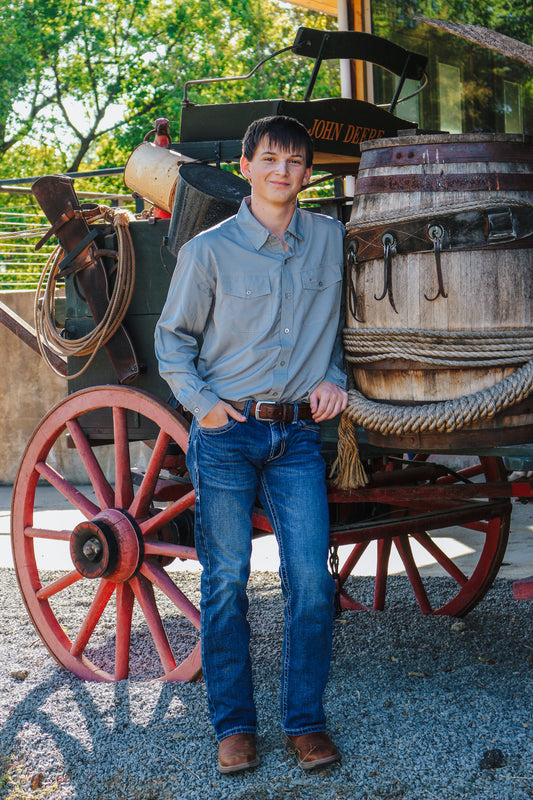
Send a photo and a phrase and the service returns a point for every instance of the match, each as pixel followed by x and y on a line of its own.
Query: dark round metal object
pixel 205 196
pixel 94 549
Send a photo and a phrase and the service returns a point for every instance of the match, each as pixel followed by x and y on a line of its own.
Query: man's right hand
pixel 219 415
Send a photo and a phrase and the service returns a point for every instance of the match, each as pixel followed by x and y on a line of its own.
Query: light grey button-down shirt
pixel 246 319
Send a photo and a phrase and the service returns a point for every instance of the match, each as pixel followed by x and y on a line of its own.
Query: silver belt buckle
pixel 260 403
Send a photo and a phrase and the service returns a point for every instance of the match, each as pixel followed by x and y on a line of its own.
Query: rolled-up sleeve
pixel 179 330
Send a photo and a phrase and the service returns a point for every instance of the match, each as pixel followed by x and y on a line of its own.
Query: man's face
pixel 276 175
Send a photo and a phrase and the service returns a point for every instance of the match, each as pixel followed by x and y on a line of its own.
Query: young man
pixel 263 290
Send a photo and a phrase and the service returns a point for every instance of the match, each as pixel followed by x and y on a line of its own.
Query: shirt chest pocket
pixel 322 290
pixel 247 303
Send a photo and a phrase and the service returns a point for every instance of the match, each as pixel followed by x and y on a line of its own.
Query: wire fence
pixel 20 230
pixel 22 225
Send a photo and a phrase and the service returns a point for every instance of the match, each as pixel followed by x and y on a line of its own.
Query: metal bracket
pixel 501 226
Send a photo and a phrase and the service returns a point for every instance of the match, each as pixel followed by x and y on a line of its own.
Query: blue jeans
pixel 281 464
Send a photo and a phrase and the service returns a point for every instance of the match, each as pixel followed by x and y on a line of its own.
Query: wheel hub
pixel 108 546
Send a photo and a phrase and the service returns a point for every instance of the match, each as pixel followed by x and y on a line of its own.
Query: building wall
pixel 29 390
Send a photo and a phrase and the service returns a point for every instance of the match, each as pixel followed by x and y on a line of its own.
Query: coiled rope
pixel 468 349
pixel 46 330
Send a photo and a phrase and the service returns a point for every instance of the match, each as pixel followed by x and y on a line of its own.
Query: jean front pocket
pixel 219 429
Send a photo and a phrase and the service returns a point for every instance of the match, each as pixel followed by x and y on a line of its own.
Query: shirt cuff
pixel 199 403
pixel 337 376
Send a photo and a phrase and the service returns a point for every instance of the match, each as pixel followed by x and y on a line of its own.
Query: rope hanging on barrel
pixel 47 333
pixel 440 417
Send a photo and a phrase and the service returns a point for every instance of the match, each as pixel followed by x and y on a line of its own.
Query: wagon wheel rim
pixel 466 589
pixel 117 550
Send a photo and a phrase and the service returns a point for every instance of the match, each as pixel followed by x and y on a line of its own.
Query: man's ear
pixel 244 164
pixel 307 176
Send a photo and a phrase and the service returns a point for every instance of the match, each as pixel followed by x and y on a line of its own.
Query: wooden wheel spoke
pixel 58 585
pixel 46 533
pixel 143 498
pixel 352 560
pixel 467 474
pixel 97 608
pixel 100 484
pixel 440 557
pixel 404 549
pixel 166 549
pixel 145 597
pixel 482 527
pixel 125 600
pixel 165 515
pixel 123 480
pixel 160 578
pixel 382 570
pixel 69 492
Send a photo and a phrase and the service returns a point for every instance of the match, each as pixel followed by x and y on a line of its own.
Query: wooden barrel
pixel 439 265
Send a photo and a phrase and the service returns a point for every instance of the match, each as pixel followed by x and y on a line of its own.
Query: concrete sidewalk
pixel 54 511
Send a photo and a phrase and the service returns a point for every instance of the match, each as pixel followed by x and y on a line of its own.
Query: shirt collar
pixel 257 233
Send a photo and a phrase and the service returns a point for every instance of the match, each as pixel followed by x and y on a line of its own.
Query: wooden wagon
pixel 130 484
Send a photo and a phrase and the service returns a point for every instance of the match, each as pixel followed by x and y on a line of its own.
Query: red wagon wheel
pixel 418 515
pixel 116 594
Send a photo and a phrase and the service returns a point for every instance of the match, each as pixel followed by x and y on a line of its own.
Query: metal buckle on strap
pixel 260 403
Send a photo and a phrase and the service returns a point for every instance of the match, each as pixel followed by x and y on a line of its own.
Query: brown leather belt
pixel 275 412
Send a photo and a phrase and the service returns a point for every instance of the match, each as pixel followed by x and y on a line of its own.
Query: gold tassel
pixel 348 465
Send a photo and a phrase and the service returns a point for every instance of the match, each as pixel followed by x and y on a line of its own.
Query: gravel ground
pixel 413 702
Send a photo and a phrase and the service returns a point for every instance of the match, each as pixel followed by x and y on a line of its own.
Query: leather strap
pixel 493 228
pixel 275 412
pixel 467 182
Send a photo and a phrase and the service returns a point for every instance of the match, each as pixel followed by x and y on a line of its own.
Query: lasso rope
pixel 47 333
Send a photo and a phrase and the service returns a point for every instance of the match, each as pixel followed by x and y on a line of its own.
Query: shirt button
pixel 286 330
pixel 320 283
pixel 275 394
pixel 282 363
pixel 288 295
pixel 196 410
pixel 248 291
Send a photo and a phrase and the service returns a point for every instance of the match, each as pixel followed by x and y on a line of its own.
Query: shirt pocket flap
pixel 321 277
pixel 247 286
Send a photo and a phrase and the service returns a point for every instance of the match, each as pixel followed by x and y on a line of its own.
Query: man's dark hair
pixel 284 132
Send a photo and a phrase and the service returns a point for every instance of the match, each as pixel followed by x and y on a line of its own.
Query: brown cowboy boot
pixel 237 752
pixel 313 749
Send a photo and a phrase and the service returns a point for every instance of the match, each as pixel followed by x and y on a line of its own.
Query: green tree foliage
pixel 86 78
pixel 27 39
